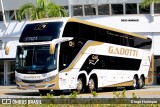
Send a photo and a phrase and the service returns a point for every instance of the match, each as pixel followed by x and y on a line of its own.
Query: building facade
pixel 126 15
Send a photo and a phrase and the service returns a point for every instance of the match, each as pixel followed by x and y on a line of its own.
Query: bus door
pixel 64 60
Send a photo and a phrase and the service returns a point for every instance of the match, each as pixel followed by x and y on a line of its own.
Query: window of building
pixel 1 72
pixel 10 15
pixel 157 8
pixel 1 16
pixel 67 10
pixel 144 10
pixel 117 8
pixel 131 8
pixel 103 9
pixel 77 10
pixel 90 9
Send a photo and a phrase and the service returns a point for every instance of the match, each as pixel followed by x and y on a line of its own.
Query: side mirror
pixel 7 48
pixel 52 48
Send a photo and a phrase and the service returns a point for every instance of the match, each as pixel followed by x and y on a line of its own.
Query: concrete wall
pixel 15 4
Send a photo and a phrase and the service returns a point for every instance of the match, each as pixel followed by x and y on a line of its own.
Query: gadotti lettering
pixel 123 51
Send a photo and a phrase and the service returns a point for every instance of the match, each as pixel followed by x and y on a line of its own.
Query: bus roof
pixel 68 19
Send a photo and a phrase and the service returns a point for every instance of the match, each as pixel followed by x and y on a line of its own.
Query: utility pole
pixel 3 13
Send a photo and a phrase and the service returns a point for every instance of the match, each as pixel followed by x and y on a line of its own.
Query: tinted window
pixel 69 51
pixel 110 63
pixel 101 35
pixel 87 32
pixel 156 8
pixel 103 9
pixel 131 8
pixel 77 10
pixel 143 43
pixel 71 30
pixel 90 10
pixel 117 8
pixel 38 32
pixel 144 10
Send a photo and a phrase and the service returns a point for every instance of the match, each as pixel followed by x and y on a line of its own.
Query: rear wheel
pixel 80 85
pixel 141 82
pixel 92 86
pixel 44 92
pixel 135 83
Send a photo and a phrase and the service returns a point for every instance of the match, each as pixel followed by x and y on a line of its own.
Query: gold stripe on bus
pixel 128 83
pixel 78 57
pixel 150 76
pixel 105 27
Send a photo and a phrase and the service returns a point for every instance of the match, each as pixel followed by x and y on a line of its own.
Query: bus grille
pixel 32 81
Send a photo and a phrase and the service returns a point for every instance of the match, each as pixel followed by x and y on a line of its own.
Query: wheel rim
pixel 91 84
pixel 134 82
pixel 79 85
pixel 141 83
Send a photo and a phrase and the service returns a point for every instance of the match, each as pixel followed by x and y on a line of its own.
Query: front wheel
pixel 44 92
pixel 92 85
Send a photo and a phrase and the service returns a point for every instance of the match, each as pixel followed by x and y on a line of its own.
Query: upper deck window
pixel 38 32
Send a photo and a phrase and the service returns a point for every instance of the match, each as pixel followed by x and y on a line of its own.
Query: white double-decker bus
pixel 67 53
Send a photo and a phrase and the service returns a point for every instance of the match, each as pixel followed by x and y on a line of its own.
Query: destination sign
pixel 39 32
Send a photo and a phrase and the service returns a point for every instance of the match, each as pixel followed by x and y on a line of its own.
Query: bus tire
pixel 44 92
pixel 57 92
pixel 141 82
pixel 92 86
pixel 80 85
pixel 135 83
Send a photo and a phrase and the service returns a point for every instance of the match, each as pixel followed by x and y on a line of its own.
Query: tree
pixel 42 9
pixel 146 3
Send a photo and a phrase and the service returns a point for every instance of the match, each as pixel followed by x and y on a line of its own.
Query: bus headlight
pixel 49 79
pixel 18 79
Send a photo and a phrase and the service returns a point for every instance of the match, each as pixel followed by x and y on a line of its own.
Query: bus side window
pixel 65 59
pixel 101 34
pixel 131 41
pixel 71 30
pixel 103 64
pixel 123 41
pixel 87 32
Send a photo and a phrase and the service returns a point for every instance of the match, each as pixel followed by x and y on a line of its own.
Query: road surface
pixel 146 92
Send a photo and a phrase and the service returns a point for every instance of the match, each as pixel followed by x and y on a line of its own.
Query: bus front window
pixel 35 58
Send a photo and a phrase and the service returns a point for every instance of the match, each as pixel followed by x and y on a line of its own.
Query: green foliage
pixel 42 9
pixel 146 3
pixel 62 96
pixel 94 93
pixel 73 95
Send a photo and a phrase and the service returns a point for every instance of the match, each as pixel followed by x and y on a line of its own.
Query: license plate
pixel 31 86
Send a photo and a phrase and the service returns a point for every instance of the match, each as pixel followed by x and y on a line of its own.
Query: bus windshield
pixel 35 59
